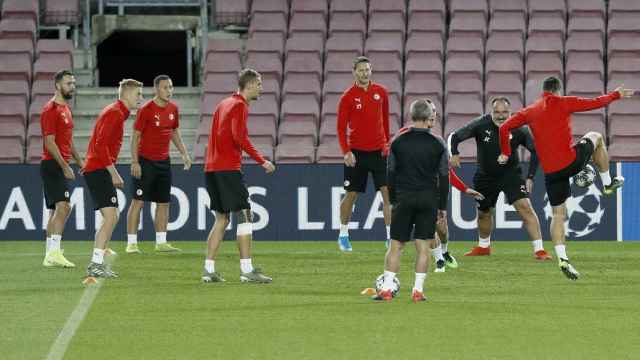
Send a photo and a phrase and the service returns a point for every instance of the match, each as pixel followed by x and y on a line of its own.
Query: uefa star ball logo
pixel 584 211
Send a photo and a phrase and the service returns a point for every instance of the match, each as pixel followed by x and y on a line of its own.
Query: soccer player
pixel 492 178
pixel 418 168
pixel 156 126
pixel 364 109
pixel 550 121
pixel 100 171
pixel 57 129
pixel 224 180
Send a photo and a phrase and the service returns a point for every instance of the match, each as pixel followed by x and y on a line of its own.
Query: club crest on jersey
pixel 171 117
pixel 157 117
pixel 376 96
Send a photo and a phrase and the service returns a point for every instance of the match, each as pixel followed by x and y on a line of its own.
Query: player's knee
pixel 64 208
pixel 351 196
pixel 222 218
pixel 245 226
pixel 484 214
pixel 137 204
pixel 559 212
pixel 595 137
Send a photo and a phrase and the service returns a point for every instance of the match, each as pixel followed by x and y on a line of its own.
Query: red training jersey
pixel 106 139
pixel 156 125
pixel 454 179
pixel 549 119
pixel 366 114
pixel 56 120
pixel 229 136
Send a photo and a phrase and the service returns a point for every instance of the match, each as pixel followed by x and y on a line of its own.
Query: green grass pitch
pixel 506 306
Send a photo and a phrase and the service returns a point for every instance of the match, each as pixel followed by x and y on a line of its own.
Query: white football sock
pixel 132 238
pixel 561 252
pixel 484 242
pixel 437 253
pixel 98 256
pixel 161 238
pixel 537 245
pixel 388 232
pixel 444 247
pixel 48 245
pixel 210 266
pixel 419 283
pixel 344 230
pixel 388 280
pixel 606 178
pixel 55 242
pixel 245 265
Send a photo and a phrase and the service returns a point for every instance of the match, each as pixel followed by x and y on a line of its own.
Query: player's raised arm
pixel 458 136
pixel 518 119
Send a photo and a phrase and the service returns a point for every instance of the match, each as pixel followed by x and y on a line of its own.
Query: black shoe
pixel 616 183
pixel 440 266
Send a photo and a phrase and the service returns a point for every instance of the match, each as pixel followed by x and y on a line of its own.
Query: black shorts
pixel 155 182
pixel 227 191
pixel 355 178
pixel 101 189
pixel 558 185
pixel 511 183
pixel 54 183
pixel 414 211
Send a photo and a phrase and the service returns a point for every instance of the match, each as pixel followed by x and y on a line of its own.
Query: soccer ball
pixel 585 177
pixel 380 282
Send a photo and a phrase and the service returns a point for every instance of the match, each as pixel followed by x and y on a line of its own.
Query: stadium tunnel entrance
pixel 142 55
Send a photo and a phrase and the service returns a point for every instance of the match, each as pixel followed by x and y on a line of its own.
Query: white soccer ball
pixel 585 177
pixel 380 282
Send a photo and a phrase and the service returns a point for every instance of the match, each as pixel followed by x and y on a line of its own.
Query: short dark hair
pixel 500 98
pixel 360 60
pixel 245 76
pixel 551 84
pixel 61 74
pixel 157 79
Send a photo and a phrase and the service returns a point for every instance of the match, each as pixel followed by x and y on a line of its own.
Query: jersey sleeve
pixel 462 134
pixel 48 122
pixel 141 120
pixel 385 122
pixel 341 124
pixel 578 104
pixel 514 122
pixel 456 182
pixel 176 114
pixel 240 133
pixel 104 133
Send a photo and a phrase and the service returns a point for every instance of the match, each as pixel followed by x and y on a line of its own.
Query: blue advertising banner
pixel 631 201
pixel 297 202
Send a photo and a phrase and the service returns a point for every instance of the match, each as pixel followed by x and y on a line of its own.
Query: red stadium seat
pixel 426 16
pixel 64 12
pixel 329 153
pixel 295 152
pixel 21 9
pixel 268 22
pixel 348 22
pixel 308 23
pixel 318 8
pixel 11 151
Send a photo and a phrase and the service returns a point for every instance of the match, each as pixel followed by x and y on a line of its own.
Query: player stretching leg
pixel 549 119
